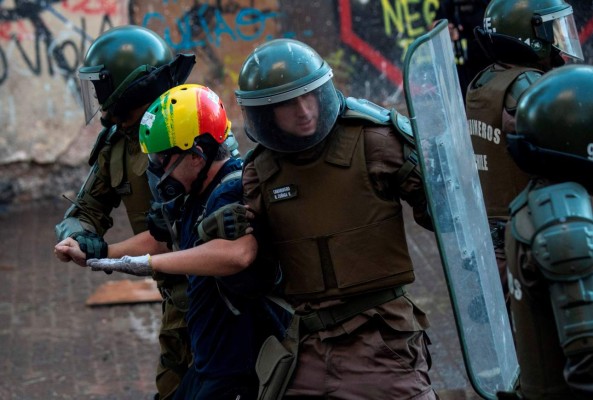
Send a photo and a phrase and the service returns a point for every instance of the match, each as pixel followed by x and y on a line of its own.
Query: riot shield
pixel 438 119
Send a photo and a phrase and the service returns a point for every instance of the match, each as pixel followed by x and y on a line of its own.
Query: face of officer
pixel 298 116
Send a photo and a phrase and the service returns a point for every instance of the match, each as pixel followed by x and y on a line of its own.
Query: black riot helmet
pixel 126 67
pixel 530 32
pixel 281 72
pixel 554 126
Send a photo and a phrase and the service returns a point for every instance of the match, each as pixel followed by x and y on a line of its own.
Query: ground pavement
pixel 52 346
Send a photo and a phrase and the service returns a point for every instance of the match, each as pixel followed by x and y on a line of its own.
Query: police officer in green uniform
pixel 549 239
pixel 124 70
pixel 526 38
pixel 327 179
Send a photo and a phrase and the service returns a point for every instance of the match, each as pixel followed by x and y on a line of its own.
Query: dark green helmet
pixel 129 66
pixel 520 31
pixel 554 125
pixel 279 72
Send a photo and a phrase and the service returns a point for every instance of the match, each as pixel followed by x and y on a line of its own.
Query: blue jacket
pixel 228 317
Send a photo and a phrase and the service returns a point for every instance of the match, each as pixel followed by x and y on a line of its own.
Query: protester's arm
pixel 137 245
pixel 217 257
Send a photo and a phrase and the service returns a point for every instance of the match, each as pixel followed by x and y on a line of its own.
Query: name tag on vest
pixel 283 193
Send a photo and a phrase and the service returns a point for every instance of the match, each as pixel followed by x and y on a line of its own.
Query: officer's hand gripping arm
pixel 229 222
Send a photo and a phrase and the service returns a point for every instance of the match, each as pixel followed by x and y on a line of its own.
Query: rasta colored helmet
pixel 179 121
pixel 127 67
pixel 527 31
pixel 275 74
pixel 180 116
pixel 554 125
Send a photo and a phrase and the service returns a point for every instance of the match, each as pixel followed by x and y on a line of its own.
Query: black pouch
pixel 276 363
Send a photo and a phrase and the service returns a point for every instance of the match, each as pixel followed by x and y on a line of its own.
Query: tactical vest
pixel 335 237
pixel 500 178
pixel 127 168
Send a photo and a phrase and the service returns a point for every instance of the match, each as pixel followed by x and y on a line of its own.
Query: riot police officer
pixel 526 38
pixel 327 178
pixel 124 70
pixel 549 237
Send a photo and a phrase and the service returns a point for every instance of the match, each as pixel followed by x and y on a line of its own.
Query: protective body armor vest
pixel 500 178
pixel 335 237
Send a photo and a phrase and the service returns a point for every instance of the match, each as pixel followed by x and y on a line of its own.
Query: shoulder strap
pixel 106 137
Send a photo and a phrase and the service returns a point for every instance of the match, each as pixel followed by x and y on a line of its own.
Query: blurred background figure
pixel 463 17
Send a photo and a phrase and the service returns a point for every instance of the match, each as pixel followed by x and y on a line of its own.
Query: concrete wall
pixel 43 141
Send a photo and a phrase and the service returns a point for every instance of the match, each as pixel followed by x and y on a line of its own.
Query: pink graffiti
pixel 91 7
pixel 8 30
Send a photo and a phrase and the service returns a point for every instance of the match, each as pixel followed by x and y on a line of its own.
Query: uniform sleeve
pixel 251 189
pixel 261 276
pixel 385 157
pixel 94 202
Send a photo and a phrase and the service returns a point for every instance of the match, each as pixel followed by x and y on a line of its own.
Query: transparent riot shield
pixel 437 114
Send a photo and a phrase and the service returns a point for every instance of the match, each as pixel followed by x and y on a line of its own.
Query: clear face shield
pixel 293 121
pixel 560 29
pixel 95 88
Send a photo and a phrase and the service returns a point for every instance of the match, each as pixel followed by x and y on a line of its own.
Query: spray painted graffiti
pixel 27 21
pixel 403 21
pixel 42 43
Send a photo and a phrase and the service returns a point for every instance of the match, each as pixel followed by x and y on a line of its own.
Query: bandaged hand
pixel 139 266
pixel 229 222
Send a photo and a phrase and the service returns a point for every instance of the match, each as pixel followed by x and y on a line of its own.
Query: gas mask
pixel 163 186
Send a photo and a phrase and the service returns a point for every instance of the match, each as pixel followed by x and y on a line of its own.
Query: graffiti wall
pixel 42 42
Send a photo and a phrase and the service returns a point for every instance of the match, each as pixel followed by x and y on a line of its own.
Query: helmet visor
pixel 95 88
pixel 90 102
pixel 566 36
pixel 295 124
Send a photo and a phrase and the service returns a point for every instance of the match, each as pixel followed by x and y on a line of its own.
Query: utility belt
pixel 277 360
pixel 328 318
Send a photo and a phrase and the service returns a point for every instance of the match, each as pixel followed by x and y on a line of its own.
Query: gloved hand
pixel 139 266
pixel 229 222
pixel 157 224
pixel 91 244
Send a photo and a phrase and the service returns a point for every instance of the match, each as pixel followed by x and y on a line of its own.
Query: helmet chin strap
pixel 198 185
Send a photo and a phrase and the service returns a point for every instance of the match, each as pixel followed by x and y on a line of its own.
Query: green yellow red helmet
pixel 180 116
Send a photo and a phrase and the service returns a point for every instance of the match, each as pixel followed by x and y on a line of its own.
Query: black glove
pixel 92 245
pixel 157 225
pixel 229 222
